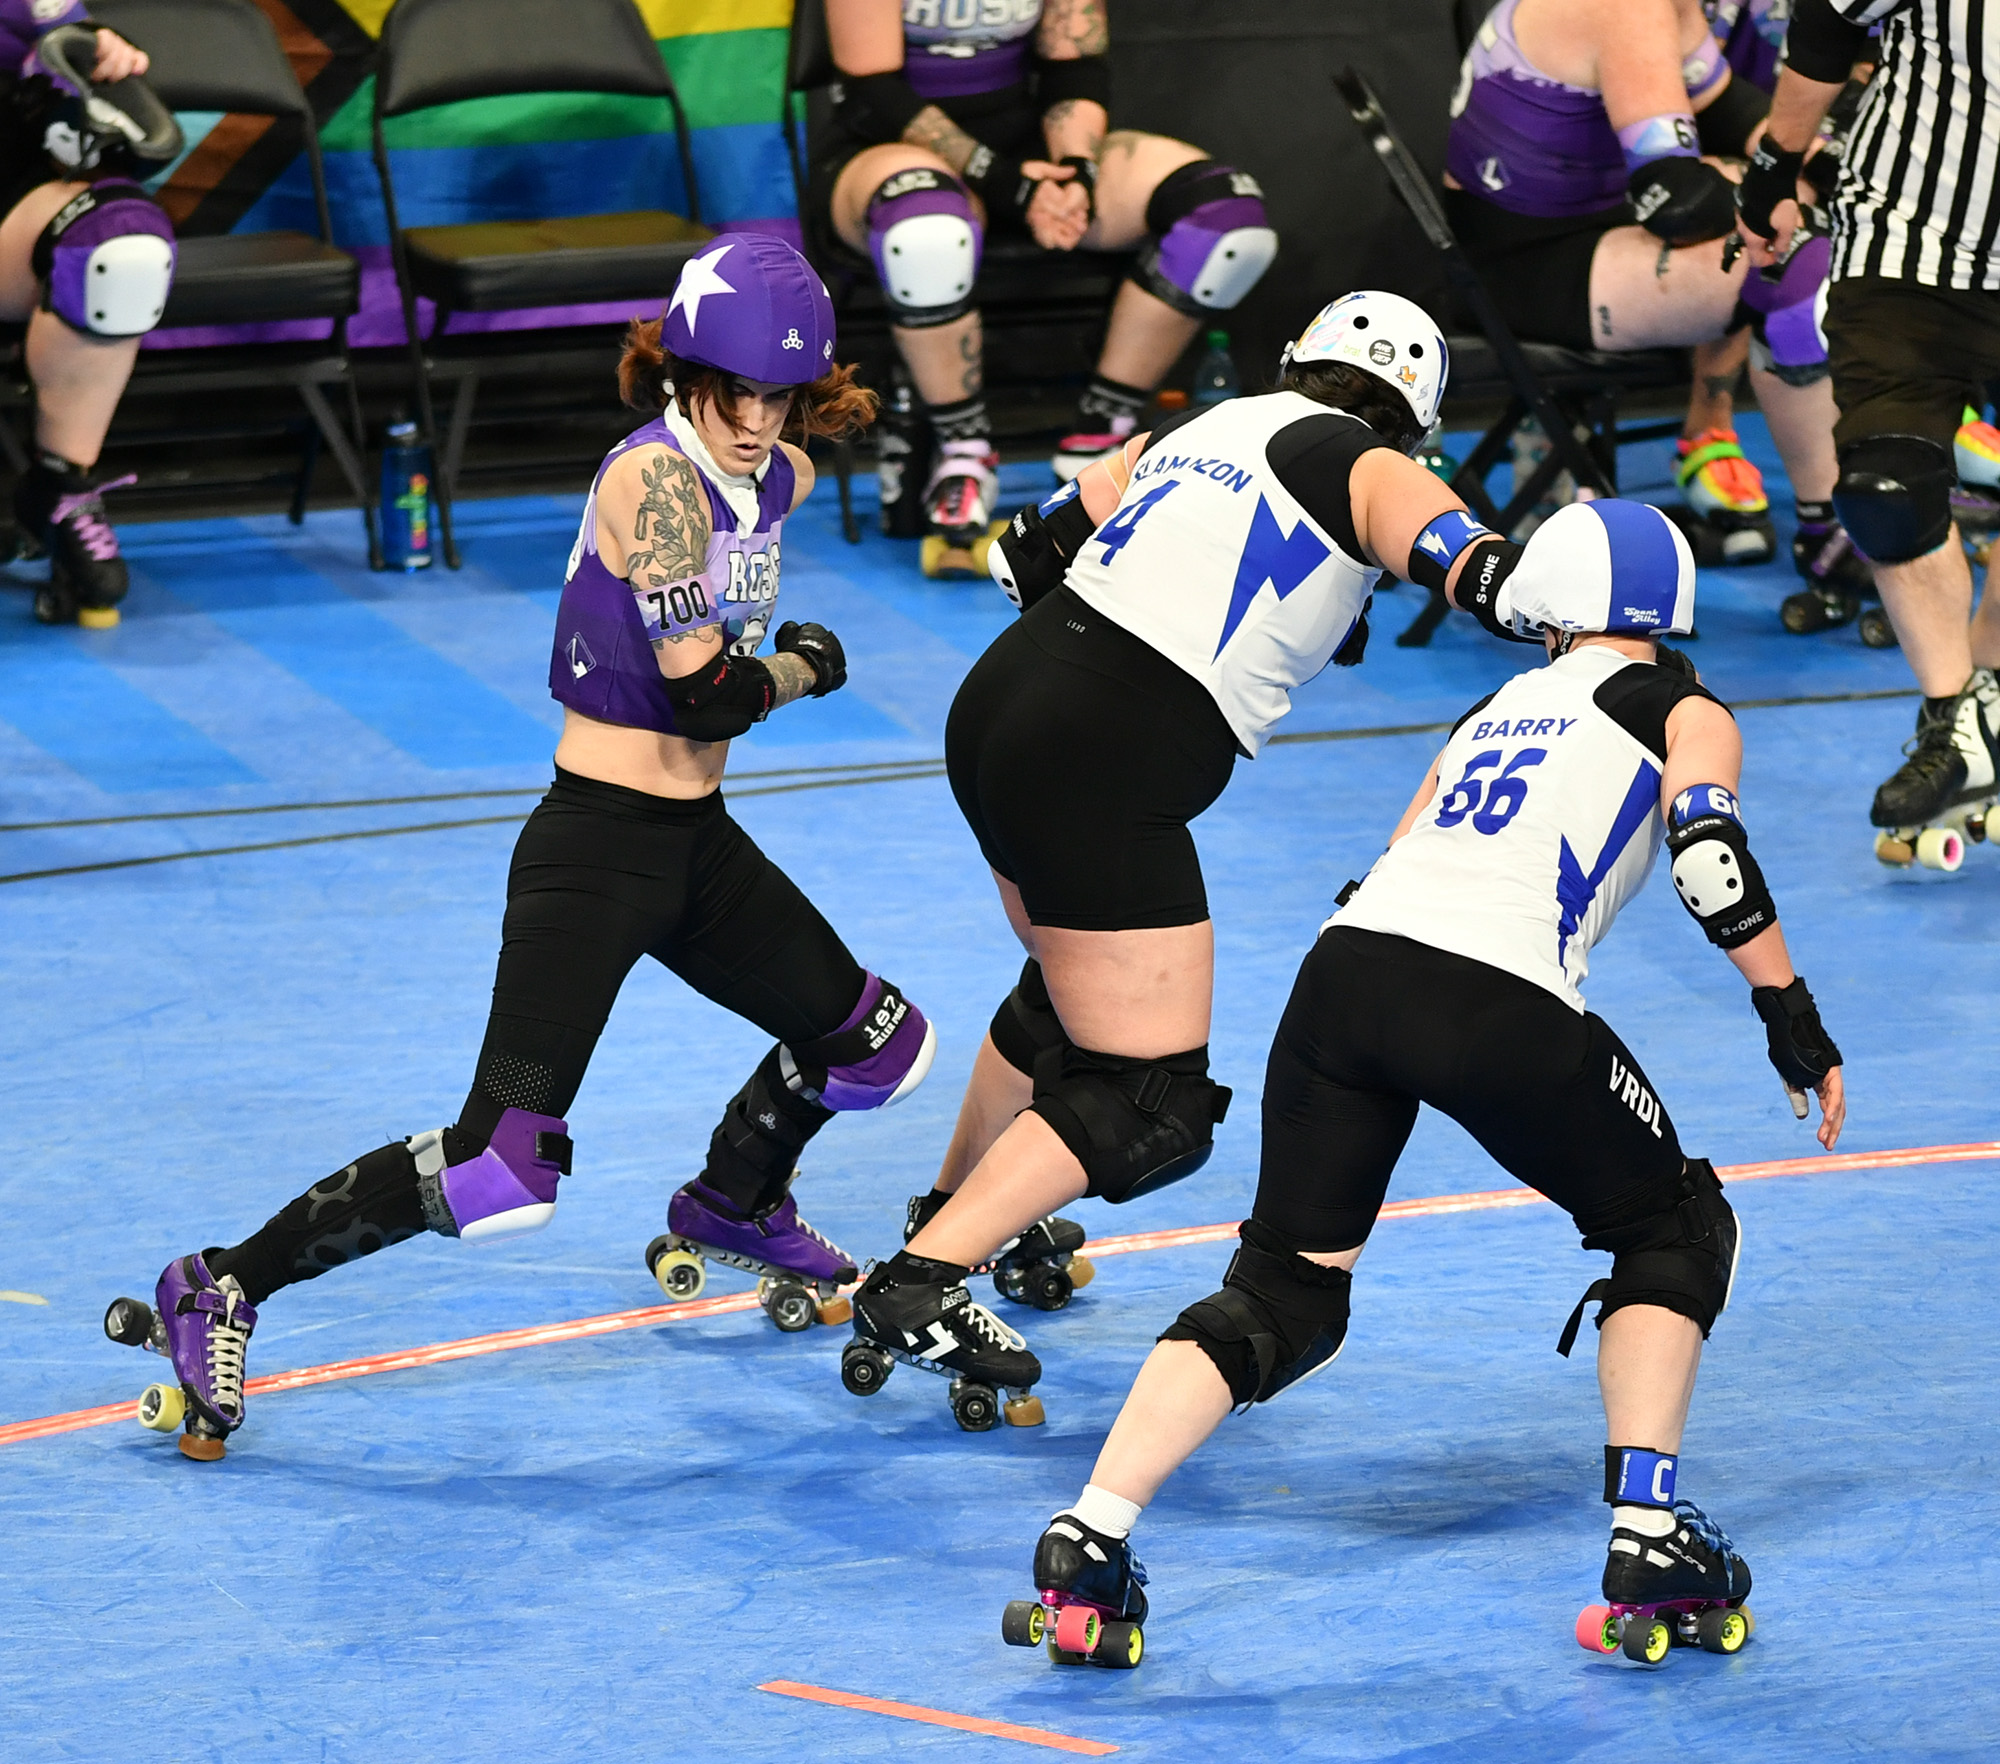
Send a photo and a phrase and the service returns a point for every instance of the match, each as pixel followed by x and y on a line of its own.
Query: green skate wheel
pixel 1646 1639
pixel 1120 1646
pixel 1022 1624
pixel 1722 1632
pixel 863 1369
pixel 790 1306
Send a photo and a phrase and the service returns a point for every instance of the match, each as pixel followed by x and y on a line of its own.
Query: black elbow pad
pixel 876 107
pixel 1724 127
pixel 1682 200
pixel 1031 557
pixel 721 701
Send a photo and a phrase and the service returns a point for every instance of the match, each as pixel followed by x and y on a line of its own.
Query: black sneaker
pixel 1695 1560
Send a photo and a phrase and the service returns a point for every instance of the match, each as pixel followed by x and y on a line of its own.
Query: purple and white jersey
pixel 956 48
pixel 23 24
pixel 604 664
pixel 1752 34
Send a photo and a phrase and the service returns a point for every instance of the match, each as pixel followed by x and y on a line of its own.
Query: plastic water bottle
pixel 406 499
pixel 1215 379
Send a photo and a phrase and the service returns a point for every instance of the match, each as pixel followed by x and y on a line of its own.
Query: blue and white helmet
pixel 1615 567
pixel 1381 334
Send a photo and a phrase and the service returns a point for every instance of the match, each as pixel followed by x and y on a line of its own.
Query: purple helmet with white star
pixel 751 305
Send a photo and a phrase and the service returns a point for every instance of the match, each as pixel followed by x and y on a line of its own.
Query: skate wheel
pixel 681 1273
pixel 1066 1656
pixel 1897 853
pixel 1049 1288
pixel 864 1370
pixel 204 1448
pixel 1646 1639
pixel 1597 1630
pixel 1078 1628
pixel 835 1311
pixel 790 1306
pixel 975 1407
pixel 1875 629
pixel 1940 848
pixel 161 1407
pixel 1975 828
pixel 1121 1646
pixel 1011 1283
pixel 1024 1411
pixel 1749 1622
pixel 931 554
pixel 1082 1271
pixel 129 1322
pixel 1722 1631
pixel 1022 1623
pixel 99 618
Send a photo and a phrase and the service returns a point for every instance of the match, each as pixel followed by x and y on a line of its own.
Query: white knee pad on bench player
pixel 107 260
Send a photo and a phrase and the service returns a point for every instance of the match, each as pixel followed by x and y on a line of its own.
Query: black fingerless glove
pixel 1682 201
pixel 1086 175
pixel 820 647
pixel 999 182
pixel 1488 563
pixel 1773 178
pixel 1801 1050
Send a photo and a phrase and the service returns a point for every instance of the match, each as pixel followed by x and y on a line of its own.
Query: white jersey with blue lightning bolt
pixel 1546 821
pixel 1212 561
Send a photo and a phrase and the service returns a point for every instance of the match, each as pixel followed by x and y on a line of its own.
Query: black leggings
pixel 601 876
pixel 1377 1025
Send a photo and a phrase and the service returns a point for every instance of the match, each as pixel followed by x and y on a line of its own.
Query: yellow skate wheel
pixel 204 1448
pixel 1023 1624
pixel 97 618
pixel 1082 1271
pixel 932 553
pixel 1647 1639
pixel 1120 1646
pixel 1895 851
pixel 1722 1632
pixel 681 1274
pixel 161 1407
pixel 1941 848
pixel 1066 1656
pixel 1749 1622
pixel 835 1311
pixel 1024 1411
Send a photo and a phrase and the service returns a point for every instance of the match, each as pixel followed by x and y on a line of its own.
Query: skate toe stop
pixel 201 1448
pixel 835 1311
pixel 97 618
pixel 1024 1412
pixel 1082 1271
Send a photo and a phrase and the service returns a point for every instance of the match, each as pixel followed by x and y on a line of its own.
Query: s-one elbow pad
pixel 1716 877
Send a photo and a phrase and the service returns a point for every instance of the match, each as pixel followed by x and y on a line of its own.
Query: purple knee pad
pixel 878 1056
pixel 1212 239
pixel 107 259
pixel 507 1191
pixel 1790 309
pixel 926 243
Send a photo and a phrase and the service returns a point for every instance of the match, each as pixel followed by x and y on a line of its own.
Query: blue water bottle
pixel 1215 379
pixel 406 500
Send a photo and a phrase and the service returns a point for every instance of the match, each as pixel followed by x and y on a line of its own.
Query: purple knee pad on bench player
pixel 507 1191
pixel 1790 312
pixel 925 241
pixel 878 1056
pixel 1211 241
pixel 108 260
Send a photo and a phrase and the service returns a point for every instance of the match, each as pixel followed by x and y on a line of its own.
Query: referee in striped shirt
pixel 1913 333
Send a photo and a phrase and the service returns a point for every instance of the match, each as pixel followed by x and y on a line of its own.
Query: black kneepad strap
pixel 1134 1125
pixel 1277 1319
pixel 755 1147
pixel 1026 1025
pixel 1672 1244
pixel 1894 496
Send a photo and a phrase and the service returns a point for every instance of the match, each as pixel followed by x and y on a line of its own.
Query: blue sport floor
pixel 600 1549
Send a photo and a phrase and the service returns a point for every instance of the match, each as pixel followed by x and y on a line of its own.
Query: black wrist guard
pixel 1488 563
pixel 1033 555
pixel 721 701
pixel 1801 1050
pixel 999 182
pixel 1085 77
pixel 876 107
pixel 1773 178
pixel 1086 175
pixel 1682 200
pixel 820 647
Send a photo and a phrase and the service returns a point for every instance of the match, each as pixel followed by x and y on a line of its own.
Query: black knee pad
pixel 755 1148
pixel 1673 1245
pixel 1134 1125
pixel 1894 496
pixel 1026 1025
pixel 1277 1319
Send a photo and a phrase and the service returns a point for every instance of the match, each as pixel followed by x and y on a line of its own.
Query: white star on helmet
pixel 698 281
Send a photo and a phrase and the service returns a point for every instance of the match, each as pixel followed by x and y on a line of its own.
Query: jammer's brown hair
pixel 1342 387
pixel 834 405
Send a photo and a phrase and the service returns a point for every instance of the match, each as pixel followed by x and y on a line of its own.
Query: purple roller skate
pixel 800 1273
pixel 203 1325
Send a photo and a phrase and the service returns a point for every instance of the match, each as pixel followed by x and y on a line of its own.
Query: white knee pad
pixel 108 260
pixel 1233 264
pixel 926 245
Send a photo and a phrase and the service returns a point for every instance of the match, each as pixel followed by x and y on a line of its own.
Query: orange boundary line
pixel 581 1328
pixel 1028 1736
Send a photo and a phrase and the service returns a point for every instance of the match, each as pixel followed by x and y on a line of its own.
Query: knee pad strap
pixel 1211 239
pixel 877 1057
pixel 107 260
pixel 1672 1245
pixel 1894 496
pixel 507 1190
pixel 1134 1125
pixel 1277 1319
pixel 926 242
pixel 755 1147
pixel 1026 1025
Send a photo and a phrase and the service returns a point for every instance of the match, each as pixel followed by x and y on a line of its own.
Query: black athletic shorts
pixel 1537 268
pixel 1005 121
pixel 1378 1024
pixel 1908 359
pixel 1079 754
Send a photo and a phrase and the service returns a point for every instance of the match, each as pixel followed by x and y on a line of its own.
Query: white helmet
pixel 1621 568
pixel 1381 334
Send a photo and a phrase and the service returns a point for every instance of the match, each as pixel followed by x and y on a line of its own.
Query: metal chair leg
pixel 309 448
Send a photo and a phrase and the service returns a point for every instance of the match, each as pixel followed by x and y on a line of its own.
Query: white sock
pixel 1646 1521
pixel 1104 1511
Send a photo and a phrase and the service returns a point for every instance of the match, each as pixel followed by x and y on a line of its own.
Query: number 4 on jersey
pixel 1115 532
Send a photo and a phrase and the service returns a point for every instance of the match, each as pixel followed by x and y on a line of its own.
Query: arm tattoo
pixel 1072 113
pixel 1072 28
pixel 931 128
pixel 792 675
pixel 671 528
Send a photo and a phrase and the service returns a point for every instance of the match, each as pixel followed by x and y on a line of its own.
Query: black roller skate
pixel 1685 1589
pixel 1041 1267
pixel 1944 793
pixel 918 1311
pixel 60 509
pixel 1837 578
pixel 1093 1602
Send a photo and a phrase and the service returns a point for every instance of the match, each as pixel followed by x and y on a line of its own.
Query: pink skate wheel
pixel 1077 1628
pixel 1596 1631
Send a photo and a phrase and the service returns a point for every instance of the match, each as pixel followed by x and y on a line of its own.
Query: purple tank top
pixel 958 48
pixel 23 24
pixel 603 663
pixel 1753 36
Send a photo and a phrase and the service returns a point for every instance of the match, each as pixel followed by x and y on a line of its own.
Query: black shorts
pixel 1908 359
pixel 1378 1024
pixel 1536 268
pixel 1079 754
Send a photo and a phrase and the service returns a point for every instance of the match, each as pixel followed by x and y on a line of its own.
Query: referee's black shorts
pixel 1378 1024
pixel 1079 754
pixel 1908 359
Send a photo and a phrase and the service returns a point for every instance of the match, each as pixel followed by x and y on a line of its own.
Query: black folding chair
pixel 444 51
pixel 1562 389
pixel 223 55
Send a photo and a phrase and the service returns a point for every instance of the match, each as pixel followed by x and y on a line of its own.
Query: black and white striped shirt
pixel 1919 193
